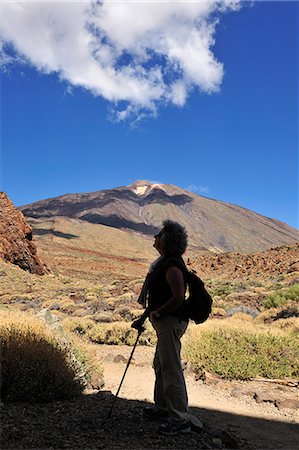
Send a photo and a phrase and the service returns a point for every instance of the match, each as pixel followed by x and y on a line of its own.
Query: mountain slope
pixel 83 250
pixel 142 206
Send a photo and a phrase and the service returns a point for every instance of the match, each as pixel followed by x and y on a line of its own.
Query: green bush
pixel 279 298
pixel 221 289
pixel 238 354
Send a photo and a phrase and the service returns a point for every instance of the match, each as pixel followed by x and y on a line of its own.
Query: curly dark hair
pixel 174 238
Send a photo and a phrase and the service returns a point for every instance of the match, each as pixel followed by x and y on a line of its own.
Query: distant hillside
pixel 83 250
pixel 141 207
pixel 16 244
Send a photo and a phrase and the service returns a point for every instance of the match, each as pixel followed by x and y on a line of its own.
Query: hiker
pixel 164 290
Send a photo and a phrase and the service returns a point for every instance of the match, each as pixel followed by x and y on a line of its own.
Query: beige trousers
pixel 170 392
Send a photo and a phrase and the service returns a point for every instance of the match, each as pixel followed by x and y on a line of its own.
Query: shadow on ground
pixel 78 424
pixel 43 232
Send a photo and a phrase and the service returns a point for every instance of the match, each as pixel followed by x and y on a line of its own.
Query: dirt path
pixel 221 405
pixel 232 418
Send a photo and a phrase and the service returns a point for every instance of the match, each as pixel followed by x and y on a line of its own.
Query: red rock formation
pixel 16 244
pixel 274 262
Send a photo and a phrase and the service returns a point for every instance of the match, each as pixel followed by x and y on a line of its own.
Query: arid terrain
pixel 93 278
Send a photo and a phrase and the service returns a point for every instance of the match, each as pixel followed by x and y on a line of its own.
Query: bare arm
pixel 175 280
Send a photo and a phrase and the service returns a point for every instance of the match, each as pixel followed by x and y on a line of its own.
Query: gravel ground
pixel 78 424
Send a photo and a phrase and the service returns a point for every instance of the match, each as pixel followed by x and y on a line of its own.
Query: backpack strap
pixel 179 263
pixel 176 262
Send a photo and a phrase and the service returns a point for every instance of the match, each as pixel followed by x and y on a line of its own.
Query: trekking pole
pixel 140 330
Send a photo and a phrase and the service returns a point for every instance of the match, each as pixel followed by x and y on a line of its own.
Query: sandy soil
pixel 221 405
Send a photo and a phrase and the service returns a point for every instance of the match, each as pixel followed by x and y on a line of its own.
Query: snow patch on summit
pixel 144 189
pixel 140 190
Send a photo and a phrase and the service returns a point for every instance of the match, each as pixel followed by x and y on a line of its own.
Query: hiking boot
pixel 154 413
pixel 172 429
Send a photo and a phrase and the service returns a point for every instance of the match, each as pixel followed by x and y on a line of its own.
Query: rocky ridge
pixel 16 244
pixel 275 262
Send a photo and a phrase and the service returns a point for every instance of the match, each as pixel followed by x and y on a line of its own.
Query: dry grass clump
pixel 106 317
pixel 77 325
pixel 291 325
pixel 236 351
pixel 241 316
pixel 120 333
pixel 35 366
pixel 271 315
pixel 218 312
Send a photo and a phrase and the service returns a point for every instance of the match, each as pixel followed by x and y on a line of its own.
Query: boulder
pixel 96 381
pixel 16 244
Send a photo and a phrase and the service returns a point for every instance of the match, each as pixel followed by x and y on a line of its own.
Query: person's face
pixel 157 243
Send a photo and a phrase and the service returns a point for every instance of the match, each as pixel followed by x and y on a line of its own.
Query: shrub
pixel 77 325
pixel 241 316
pixel 103 317
pixel 279 298
pixel 239 354
pixel 219 312
pixel 35 366
pixel 291 325
pixel 222 289
pixel 128 313
pixel 120 333
pixel 273 314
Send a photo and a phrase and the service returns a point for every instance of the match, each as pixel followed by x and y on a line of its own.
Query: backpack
pixel 198 305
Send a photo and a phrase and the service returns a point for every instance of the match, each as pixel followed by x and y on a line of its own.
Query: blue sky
pixel 227 130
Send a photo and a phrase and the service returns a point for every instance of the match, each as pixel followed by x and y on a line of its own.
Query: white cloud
pixel 198 189
pixel 142 53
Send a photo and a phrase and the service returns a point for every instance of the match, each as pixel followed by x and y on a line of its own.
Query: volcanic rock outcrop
pixel 274 263
pixel 16 244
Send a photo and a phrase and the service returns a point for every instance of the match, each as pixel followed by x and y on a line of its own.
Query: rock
pixel 53 322
pixel 261 397
pixel 119 359
pixel 200 374
pixel 217 442
pixel 237 393
pixel 16 244
pixel 279 402
pixel 287 403
pixel 294 268
pixel 189 368
pixel 184 365
pixel 211 378
pixel 96 381
pixel 228 440
pixel 109 357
